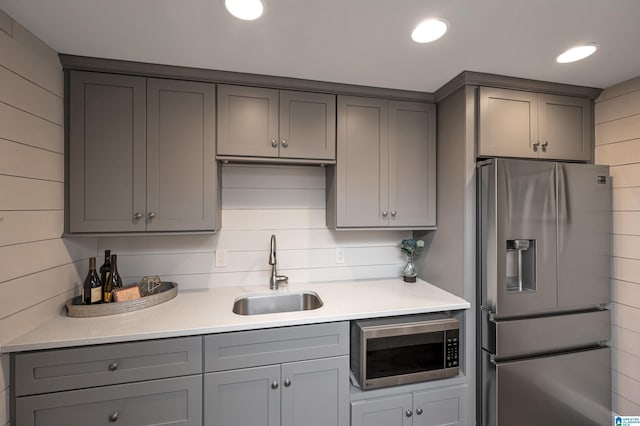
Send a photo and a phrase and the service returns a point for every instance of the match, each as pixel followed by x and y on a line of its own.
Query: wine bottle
pixel 115 275
pixel 91 289
pixel 104 269
pixel 113 281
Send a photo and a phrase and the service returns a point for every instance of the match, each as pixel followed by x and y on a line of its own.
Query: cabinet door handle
pixel 287 383
pixel 545 144
pixel 137 216
pixel 408 413
pixel 384 214
pixel 113 366
pixel 114 417
pixel 536 144
pixel 419 411
pixel 151 215
pixel 284 143
pixel 393 213
pixel 274 385
pixel 274 143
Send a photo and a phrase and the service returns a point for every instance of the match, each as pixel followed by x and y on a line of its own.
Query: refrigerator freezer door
pixel 584 228
pixel 567 389
pixel 518 236
pixel 542 335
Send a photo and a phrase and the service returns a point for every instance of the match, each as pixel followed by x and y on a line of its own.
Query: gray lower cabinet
pixel 258 123
pixel 385 176
pixel 175 401
pixel 290 376
pixel 141 154
pixel 154 382
pixel 434 407
pixel 305 393
pixel 515 123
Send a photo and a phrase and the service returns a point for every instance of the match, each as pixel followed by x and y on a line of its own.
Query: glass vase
pixel 409 272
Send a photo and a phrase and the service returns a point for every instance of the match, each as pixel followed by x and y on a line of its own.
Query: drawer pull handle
pixel 274 385
pixel 419 411
pixel 114 417
pixel 408 413
pixel 287 383
pixel 113 366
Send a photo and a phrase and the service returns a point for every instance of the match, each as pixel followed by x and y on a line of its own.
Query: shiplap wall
pixel 257 201
pixel 38 269
pixel 617 116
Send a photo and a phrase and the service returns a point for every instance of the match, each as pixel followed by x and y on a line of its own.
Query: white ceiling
pixel 351 41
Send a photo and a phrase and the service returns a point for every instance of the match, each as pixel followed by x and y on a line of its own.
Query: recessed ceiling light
pixel 429 30
pixel 247 10
pixel 576 53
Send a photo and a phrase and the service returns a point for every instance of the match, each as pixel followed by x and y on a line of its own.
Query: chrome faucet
pixel 276 279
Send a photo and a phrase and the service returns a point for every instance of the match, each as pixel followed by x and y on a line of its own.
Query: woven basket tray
pixel 75 308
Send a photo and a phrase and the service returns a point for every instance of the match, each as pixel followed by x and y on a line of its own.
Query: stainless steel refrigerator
pixel 544 290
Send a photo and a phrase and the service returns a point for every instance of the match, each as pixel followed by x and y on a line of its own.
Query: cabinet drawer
pixel 274 346
pixel 75 368
pixel 176 401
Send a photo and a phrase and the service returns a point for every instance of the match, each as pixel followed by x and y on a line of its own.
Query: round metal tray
pixel 76 309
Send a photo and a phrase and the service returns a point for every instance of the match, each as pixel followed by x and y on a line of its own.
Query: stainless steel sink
pixel 257 304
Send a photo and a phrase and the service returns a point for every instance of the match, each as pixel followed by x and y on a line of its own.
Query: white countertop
pixel 207 311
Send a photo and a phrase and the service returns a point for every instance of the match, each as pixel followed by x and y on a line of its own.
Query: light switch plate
pixel 340 255
pixel 221 258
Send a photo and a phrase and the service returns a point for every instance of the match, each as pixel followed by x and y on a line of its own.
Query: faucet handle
pixel 282 279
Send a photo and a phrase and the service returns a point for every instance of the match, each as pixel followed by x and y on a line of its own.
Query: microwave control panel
pixel 453 344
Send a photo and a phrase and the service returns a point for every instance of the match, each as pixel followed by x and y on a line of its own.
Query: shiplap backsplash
pixel 257 201
pixel 38 269
pixel 618 145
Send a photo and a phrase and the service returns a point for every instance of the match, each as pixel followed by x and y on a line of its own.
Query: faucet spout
pixel 275 279
pixel 272 254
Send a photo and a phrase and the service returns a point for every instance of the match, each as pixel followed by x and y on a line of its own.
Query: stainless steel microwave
pixel 400 350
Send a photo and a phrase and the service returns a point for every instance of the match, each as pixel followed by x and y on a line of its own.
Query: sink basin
pixel 257 304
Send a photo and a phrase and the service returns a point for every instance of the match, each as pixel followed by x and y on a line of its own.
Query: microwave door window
pixel 406 354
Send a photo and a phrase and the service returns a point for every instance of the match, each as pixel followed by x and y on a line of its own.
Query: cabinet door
pixel 412 164
pixel 250 396
pixel 307 125
pixel 564 127
pixel 247 121
pixel 176 401
pixel 508 123
pixel 107 143
pixel 440 407
pixel 362 169
pixel 181 165
pixel 391 411
pixel 316 392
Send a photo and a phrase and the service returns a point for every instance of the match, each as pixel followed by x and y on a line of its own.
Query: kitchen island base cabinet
pixel 434 407
pixel 305 393
pixel 175 401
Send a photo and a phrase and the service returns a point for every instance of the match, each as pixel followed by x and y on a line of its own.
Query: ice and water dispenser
pixel 521 265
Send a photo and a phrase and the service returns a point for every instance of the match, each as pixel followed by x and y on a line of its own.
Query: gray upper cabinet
pixel 107 138
pixel 564 127
pixel 386 170
pixel 181 164
pixel 523 124
pixel 141 155
pixel 275 124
